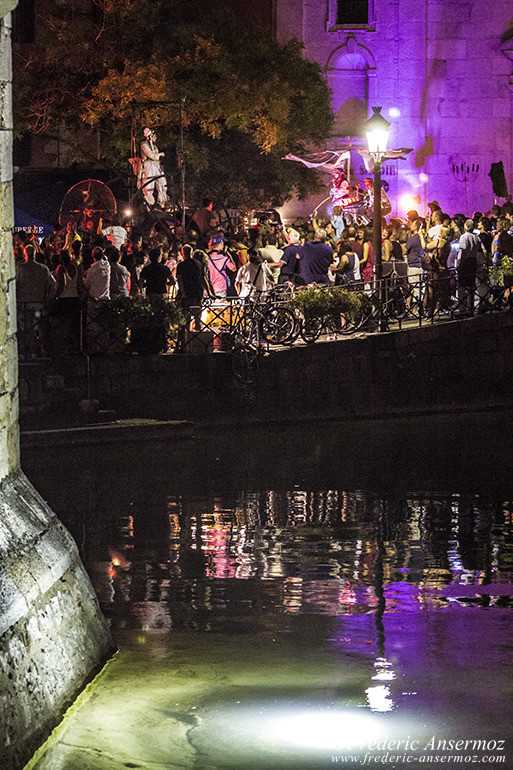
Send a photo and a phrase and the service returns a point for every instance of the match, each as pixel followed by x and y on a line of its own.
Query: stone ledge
pixel 111 432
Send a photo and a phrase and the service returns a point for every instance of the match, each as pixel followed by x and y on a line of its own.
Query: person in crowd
pixel 469 250
pixel 69 277
pixel 367 261
pixel 502 250
pixel 35 287
pixel 507 206
pixel 355 237
pixel 119 274
pixel 347 268
pixel 189 277
pixel 502 244
pixel 337 221
pixel 34 282
pixel 219 265
pixel 316 259
pixel 415 246
pixel 291 258
pixel 255 277
pixel 19 241
pixel 97 277
pixel 436 219
pixel 71 236
pixel 272 254
pixel 34 240
pixel 411 217
pixel 155 277
pixel 397 251
pixel 484 227
pixel 387 245
pixel 436 255
pixel 201 258
pixel 205 218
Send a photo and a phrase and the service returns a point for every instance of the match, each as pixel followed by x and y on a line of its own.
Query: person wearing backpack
pixel 219 264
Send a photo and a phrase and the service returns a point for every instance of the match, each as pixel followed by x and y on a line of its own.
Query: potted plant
pixel 148 321
pixel 503 269
pixel 319 302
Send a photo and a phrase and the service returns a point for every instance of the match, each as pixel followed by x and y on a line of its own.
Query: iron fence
pixel 398 301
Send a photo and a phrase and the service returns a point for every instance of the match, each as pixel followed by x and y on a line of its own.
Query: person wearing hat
pixel 218 266
pixel 152 174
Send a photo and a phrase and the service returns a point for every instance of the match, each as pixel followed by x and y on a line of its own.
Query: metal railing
pixel 399 301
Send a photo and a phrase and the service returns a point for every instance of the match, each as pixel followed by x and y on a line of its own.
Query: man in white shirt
pixel 97 278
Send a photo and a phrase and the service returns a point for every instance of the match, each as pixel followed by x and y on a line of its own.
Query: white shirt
pixel 254 278
pixel 434 232
pixel 97 280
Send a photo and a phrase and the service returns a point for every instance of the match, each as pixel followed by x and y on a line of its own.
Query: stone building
pixel 442 73
pixel 53 637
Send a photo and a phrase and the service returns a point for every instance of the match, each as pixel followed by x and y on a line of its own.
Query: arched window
pixel 348 77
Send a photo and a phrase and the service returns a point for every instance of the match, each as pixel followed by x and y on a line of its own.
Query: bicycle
pixel 262 319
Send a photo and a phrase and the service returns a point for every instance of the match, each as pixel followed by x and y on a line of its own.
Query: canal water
pixel 298 597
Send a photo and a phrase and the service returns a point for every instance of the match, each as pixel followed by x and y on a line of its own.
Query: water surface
pixel 298 597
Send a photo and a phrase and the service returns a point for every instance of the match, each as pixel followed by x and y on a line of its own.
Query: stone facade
pixel 52 635
pixel 442 73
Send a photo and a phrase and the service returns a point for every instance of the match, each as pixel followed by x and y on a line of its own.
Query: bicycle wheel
pixel 278 325
pixel 245 361
pixel 352 322
pixel 397 307
pixel 311 329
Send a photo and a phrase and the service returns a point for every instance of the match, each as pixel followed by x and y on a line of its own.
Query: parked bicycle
pixel 263 320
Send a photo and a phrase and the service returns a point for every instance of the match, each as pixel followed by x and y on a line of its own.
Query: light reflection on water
pixel 300 596
pixel 210 562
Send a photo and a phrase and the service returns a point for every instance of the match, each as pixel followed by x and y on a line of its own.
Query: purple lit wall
pixel 442 73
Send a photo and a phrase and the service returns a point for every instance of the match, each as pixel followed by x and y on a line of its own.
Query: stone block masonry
pixel 53 638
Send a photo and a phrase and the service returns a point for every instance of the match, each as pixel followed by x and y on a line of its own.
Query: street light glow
pixel 377 132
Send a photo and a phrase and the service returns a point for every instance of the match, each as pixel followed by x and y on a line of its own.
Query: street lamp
pixel 377 139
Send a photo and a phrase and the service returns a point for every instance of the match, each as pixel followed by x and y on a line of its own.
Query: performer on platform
pixel 152 172
pixel 386 206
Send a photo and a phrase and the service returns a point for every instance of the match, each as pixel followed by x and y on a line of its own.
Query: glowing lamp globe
pixel 377 132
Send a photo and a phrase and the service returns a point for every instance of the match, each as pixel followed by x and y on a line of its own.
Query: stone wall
pixel 442 73
pixel 52 636
pixel 456 366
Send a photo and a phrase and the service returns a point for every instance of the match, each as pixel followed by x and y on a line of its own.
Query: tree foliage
pixel 245 99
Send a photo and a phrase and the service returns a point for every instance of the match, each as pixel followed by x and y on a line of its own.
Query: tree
pixel 246 100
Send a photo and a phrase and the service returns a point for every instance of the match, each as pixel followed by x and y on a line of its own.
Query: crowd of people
pixel 70 268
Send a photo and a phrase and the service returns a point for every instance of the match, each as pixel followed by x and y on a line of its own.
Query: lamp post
pixel 377 139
